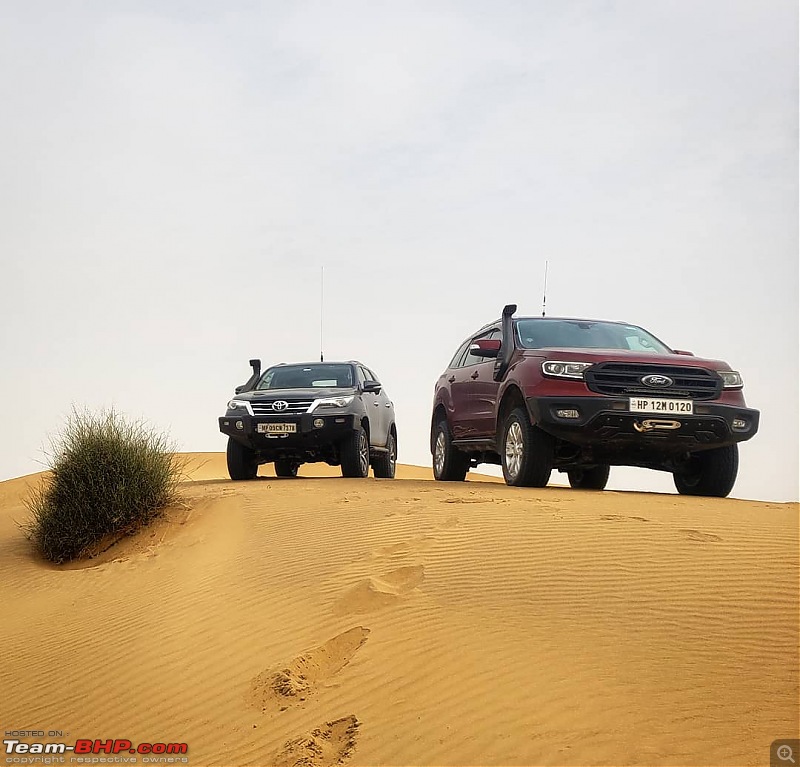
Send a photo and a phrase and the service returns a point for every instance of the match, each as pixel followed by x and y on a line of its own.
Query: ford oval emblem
pixel 657 381
pixel 280 405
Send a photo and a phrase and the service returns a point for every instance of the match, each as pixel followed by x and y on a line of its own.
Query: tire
pixel 383 465
pixel 526 452
pixel 595 478
pixel 449 463
pixel 242 463
pixel 286 468
pixel 711 472
pixel 355 454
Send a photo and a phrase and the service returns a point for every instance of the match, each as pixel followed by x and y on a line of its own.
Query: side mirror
pixel 486 348
pixel 684 353
pixel 373 387
pixel 240 389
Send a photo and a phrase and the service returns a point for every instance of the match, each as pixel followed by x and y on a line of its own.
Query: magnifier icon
pixel 785 753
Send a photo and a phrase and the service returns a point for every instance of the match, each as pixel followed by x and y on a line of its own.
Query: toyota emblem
pixel 280 405
pixel 657 381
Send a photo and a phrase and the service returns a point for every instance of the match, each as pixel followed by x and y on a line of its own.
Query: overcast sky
pixel 174 175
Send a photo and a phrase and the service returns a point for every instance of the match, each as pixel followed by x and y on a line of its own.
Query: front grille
pixel 294 406
pixel 623 379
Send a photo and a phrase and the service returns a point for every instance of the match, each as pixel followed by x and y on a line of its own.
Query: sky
pixel 175 175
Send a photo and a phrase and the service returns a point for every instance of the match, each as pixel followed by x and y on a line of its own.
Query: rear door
pixel 377 410
pixel 480 393
pixel 456 377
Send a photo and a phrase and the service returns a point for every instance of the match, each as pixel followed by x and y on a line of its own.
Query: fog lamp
pixel 318 423
pixel 568 414
pixel 739 423
pixel 240 425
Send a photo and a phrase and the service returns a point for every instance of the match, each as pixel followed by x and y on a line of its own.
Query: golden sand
pixel 324 620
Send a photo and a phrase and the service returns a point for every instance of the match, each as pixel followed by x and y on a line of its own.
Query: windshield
pixel 581 334
pixel 307 377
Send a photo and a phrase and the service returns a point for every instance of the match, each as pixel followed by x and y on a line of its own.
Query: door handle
pixel 452 379
pixel 375 403
pixel 474 375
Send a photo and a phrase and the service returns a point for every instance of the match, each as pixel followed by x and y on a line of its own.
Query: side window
pixel 471 359
pixel 360 375
pixel 458 360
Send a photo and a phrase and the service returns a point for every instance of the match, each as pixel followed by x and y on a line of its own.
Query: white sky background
pixel 174 174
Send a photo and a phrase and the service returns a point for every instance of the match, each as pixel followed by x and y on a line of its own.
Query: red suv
pixel 541 393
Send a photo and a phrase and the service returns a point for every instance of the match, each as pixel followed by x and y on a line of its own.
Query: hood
pixel 317 392
pixel 624 355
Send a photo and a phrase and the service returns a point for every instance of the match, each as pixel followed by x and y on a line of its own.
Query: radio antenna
pixel 544 291
pixel 321 307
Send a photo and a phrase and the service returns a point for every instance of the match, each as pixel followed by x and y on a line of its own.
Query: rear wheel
pixel 355 454
pixel 242 463
pixel 526 452
pixel 383 465
pixel 286 468
pixel 449 463
pixel 710 472
pixel 595 478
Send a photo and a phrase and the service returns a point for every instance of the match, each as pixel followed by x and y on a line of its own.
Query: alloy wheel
pixel 438 453
pixel 363 454
pixel 514 449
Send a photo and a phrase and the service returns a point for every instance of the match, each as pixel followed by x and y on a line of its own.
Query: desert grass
pixel 108 475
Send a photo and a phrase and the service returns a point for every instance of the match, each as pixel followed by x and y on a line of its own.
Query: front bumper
pixel 314 431
pixel 608 422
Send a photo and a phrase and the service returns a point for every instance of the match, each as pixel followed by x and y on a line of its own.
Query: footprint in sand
pixel 404 548
pixel 329 744
pixel 473 499
pixel 697 535
pixel 622 518
pixel 301 677
pixel 376 593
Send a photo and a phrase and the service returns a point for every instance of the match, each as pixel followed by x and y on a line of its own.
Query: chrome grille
pixel 622 379
pixel 293 406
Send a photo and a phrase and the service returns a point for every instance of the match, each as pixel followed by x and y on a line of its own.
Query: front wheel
pixel 286 468
pixel 449 463
pixel 355 454
pixel 383 465
pixel 242 463
pixel 595 478
pixel 711 472
pixel 527 452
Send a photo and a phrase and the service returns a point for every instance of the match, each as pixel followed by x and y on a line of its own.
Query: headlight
pixel 240 405
pixel 731 379
pixel 331 402
pixel 565 369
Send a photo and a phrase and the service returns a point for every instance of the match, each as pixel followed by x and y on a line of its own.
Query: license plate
pixel 276 428
pixel 666 406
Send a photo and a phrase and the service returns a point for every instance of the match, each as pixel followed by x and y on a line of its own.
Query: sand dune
pixel 325 621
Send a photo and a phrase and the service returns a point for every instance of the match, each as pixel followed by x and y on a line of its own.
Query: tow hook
pixel 650 424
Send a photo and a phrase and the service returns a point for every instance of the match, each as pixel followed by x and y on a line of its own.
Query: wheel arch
pixel 439 414
pixel 512 398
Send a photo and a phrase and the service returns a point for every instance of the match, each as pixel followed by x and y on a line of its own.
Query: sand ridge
pixel 371 622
